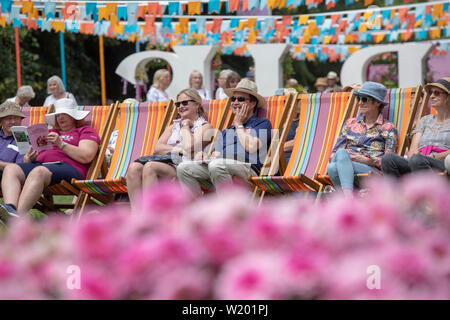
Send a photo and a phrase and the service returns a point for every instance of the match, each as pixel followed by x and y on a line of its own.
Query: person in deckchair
pixel 363 140
pixel 239 151
pixel 190 133
pixel 74 146
pixel 431 138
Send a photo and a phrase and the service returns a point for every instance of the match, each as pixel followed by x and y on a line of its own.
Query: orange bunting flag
pixel 406 35
pixel 403 14
pixel 32 24
pixel 27 7
pixel 87 27
pixel 153 8
pixel 184 25
pixel 58 26
pixel 242 25
pixel 233 5
pixel 367 15
pixel 244 5
pixel 437 10
pixel 103 13
pixel 2 21
pixel 111 8
pixel 142 10
pixel 379 37
pixel 150 27
pixel 194 7
pixel 352 49
pixel 119 28
pixel 367 2
pixel 217 23
pixel 70 10
pixel 327 40
pixel 348 38
pixel 239 51
pixel 287 20
pixel 335 18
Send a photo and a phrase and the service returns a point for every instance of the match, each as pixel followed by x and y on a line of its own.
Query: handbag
pixel 169 158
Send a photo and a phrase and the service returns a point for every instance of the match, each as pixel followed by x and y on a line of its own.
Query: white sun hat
pixel 66 106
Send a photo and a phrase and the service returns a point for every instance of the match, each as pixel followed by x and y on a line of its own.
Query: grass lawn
pixel 37 214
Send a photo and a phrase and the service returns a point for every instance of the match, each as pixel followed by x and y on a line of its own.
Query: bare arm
pixel 250 143
pixel 195 142
pixel 161 146
pixel 83 153
pixel 414 146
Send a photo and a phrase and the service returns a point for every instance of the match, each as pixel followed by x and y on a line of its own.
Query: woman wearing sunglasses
pixel 187 135
pixel 431 138
pixel 363 140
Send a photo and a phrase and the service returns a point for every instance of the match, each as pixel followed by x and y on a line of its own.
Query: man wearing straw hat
pixel 240 150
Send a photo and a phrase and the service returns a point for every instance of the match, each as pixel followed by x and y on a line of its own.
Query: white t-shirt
pixel 13 99
pixel 220 94
pixel 204 94
pixel 156 95
pixel 51 99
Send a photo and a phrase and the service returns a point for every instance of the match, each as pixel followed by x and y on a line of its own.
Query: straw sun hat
pixel 249 87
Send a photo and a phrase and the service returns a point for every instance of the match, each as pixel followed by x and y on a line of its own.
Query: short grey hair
pixel 25 92
pixel 59 83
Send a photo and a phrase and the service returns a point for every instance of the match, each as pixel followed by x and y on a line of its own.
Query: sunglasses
pixel 436 93
pixel 184 103
pixel 364 99
pixel 240 99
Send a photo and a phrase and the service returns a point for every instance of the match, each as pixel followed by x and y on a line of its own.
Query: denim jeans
pixel 342 169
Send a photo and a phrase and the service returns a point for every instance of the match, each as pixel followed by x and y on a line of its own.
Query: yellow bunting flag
pixel 58 26
pixel 362 27
pixel 194 7
pixel 352 49
pixel 367 15
pixel 252 23
pixel 2 21
pixel 302 20
pixel 437 10
pixel 252 36
pixel 327 40
pixel 27 6
pixel 103 13
pixel 379 37
pixel 111 8
pixel 184 25
pixel 119 28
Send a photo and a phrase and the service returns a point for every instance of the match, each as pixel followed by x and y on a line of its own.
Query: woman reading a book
pixel 73 146
pixel 188 134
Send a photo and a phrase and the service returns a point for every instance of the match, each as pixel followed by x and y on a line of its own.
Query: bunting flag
pixel 166 23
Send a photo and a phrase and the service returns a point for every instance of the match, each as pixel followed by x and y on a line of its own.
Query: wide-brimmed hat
pixel 249 87
pixel 355 86
pixel 9 108
pixel 443 84
pixel 332 75
pixel 66 106
pixel 374 90
pixel 321 82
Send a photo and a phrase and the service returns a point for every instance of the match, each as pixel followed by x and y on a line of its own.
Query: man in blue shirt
pixel 240 150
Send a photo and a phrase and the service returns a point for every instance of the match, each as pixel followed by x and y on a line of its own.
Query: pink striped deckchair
pixel 401 109
pixel 320 116
pixel 140 126
pixel 102 119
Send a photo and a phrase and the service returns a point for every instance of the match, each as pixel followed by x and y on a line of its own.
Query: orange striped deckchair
pixel 403 103
pixel 319 123
pixel 102 119
pixel 34 115
pixel 140 126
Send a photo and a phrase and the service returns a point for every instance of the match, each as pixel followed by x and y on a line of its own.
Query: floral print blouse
pixel 372 142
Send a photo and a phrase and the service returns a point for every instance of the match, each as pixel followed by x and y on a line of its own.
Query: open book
pixel 33 136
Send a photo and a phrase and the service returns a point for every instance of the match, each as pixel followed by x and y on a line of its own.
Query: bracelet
pixel 240 127
pixel 184 124
pixel 63 146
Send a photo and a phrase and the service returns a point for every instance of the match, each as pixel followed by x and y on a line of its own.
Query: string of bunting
pixel 144 21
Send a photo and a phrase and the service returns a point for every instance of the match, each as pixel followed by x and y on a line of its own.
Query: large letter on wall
pixel 185 60
pixel 411 61
pixel 268 66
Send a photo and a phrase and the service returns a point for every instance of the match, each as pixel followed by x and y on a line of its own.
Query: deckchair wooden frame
pixel 277 162
pixel 403 143
pixel 168 117
pixel 98 164
pixel 301 182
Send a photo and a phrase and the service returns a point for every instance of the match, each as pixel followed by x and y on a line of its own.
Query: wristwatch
pixel 63 145
pixel 184 124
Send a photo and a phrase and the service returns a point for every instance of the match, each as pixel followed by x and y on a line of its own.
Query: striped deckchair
pixel 319 123
pixel 34 115
pixel 403 103
pixel 140 126
pixel 102 119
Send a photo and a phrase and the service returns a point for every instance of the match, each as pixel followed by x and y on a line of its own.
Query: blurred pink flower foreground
pixel 393 244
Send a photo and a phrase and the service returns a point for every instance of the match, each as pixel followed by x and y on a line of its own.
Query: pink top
pixel 72 137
